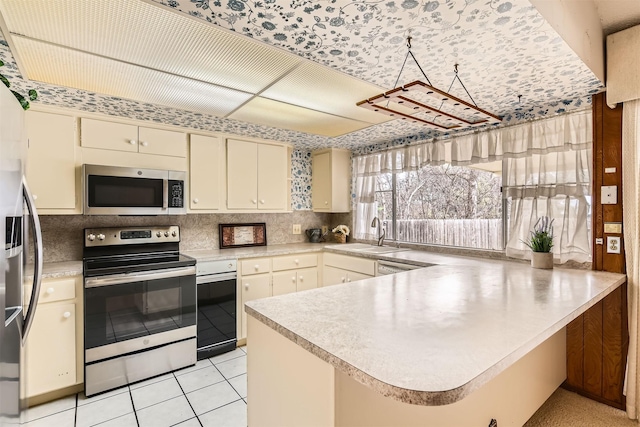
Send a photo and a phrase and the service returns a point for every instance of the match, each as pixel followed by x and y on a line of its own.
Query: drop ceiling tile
pixel 273 113
pixel 319 88
pixel 152 36
pixel 71 68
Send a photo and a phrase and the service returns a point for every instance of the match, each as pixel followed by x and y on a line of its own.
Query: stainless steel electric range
pixel 140 305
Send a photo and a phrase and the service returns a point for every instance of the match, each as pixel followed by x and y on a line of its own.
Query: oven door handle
pixel 118 279
pixel 212 278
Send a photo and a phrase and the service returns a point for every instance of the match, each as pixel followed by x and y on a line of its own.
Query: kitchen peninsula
pixel 447 345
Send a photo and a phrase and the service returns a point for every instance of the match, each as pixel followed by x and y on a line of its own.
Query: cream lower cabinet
pixel 253 287
pixel 265 277
pixel 345 269
pixel 53 351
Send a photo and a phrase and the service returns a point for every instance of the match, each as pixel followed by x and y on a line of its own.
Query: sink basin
pixel 370 249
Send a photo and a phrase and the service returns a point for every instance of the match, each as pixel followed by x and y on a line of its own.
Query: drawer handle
pixel 50 290
pixel 254 201
pixel 297 261
pixel 262 201
pixel 132 142
pixel 257 267
pixel 144 143
pixel 66 314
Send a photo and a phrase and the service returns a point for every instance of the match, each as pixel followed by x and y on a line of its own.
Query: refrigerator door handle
pixel 38 254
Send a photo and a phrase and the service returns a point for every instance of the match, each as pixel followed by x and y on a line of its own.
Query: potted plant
pixel 540 242
pixel 341 233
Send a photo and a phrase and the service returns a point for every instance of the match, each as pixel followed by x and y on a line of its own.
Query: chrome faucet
pixel 378 224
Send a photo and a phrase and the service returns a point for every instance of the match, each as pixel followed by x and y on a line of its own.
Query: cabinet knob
pixel 35 197
pixel 326 203
pixel 50 290
pixel 246 286
pixel 343 279
pixel 262 201
pixel 144 143
pixel 348 280
pixel 297 261
pixel 293 279
pixel 301 278
pixel 195 201
pixel 132 142
pixel 66 314
pixel 254 201
pixel 257 267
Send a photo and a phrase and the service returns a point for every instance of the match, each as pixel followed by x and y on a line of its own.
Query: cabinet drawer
pixel 290 262
pixel 53 290
pixel 255 266
pixel 360 265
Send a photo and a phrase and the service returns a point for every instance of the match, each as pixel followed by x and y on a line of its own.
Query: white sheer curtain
pixel 547 171
pixel 366 169
pixel 556 185
pixel 631 220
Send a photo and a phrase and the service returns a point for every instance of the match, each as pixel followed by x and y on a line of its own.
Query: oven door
pixel 125 313
pixel 216 314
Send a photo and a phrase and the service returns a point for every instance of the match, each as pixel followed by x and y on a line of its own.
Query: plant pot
pixel 340 238
pixel 542 260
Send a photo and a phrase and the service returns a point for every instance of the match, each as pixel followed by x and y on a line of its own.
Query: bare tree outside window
pixel 444 205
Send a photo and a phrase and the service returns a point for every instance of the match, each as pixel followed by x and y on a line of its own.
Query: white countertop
pixel 432 336
pixel 254 251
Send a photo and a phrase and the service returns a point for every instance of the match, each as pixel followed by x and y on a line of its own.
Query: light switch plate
pixel 297 229
pixel 609 194
pixel 613 245
pixel 325 229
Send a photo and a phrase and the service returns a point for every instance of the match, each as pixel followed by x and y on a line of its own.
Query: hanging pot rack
pixel 460 114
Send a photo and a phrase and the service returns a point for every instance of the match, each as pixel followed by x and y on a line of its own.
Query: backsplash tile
pixel 62 234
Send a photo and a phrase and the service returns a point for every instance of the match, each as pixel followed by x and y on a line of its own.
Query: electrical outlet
pixel 613 245
pixel 325 229
pixel 297 229
pixel 609 194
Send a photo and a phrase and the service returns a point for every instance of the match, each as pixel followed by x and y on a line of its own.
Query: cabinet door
pixel 273 166
pixel 108 135
pixel 51 154
pixel 242 174
pixel 162 142
pixel 205 155
pixel 352 276
pixel 321 182
pixel 333 276
pixel 284 282
pixel 307 279
pixel 51 349
pixel 253 287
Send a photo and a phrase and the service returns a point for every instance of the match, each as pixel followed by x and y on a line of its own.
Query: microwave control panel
pixel 176 194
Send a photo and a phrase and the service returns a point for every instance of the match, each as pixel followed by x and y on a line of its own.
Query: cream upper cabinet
pixel 331 180
pixel 257 176
pixel 205 157
pixel 162 142
pixel 52 141
pixel 130 138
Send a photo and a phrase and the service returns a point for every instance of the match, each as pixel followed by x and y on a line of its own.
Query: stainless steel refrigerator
pixel 18 220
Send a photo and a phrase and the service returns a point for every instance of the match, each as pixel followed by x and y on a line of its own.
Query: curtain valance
pixel 561 133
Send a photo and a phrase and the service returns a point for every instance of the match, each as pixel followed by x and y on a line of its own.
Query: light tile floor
pixel 211 393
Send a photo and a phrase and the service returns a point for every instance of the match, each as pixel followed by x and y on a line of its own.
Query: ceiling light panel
pixel 151 36
pixel 286 116
pixel 319 88
pixel 71 68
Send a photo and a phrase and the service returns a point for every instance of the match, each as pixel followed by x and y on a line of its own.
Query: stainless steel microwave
pixel 111 190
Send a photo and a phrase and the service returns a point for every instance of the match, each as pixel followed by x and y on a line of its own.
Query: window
pixel 442 205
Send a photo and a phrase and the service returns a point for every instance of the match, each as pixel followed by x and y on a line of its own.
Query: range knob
pixel 101 236
pixel 91 237
pixel 166 234
pixel 174 233
pixel 158 234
